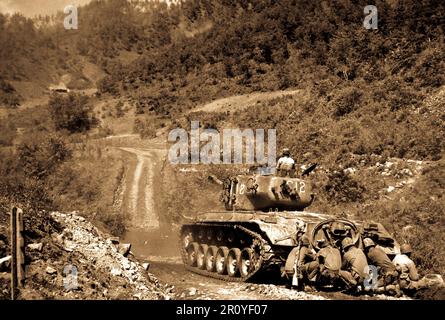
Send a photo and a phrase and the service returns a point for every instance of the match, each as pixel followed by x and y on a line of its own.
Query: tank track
pixel 257 240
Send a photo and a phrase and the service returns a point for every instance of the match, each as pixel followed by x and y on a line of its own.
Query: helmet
pixel 367 242
pixel 346 243
pixel 338 228
pixel 322 243
pixel 286 152
pixel 405 248
pixel 304 241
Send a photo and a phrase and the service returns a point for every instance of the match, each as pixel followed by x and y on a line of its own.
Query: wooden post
pixel 17 251
pixel 13 253
pixel 20 249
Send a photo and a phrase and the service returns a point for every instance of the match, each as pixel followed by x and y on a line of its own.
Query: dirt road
pixel 139 199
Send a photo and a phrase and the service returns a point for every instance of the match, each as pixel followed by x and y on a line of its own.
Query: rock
pixel 35 246
pixel 390 189
pixel 124 249
pixel 50 270
pixel 400 184
pixel 116 272
pixel 126 264
pixel 407 172
pixel 193 291
pixel 389 164
pixel 114 240
pixel 59 238
pixel 172 289
pixel 349 171
pixel 146 266
pixel 5 263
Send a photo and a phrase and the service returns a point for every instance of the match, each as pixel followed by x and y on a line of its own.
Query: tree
pixel 71 113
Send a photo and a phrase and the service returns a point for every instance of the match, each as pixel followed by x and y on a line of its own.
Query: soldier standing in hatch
pixel 285 165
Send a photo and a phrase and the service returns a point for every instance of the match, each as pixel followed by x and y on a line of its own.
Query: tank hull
pixel 238 246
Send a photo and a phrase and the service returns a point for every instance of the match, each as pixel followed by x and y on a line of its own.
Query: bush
pixel 71 113
pixel 346 101
pixel 8 95
pixel 115 223
pixel 342 188
pixel 40 157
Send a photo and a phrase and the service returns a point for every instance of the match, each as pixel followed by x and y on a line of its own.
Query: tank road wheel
pixel 201 235
pixel 233 259
pixel 187 238
pixel 200 257
pixel 192 253
pixel 219 235
pixel 246 262
pixel 209 235
pixel 220 260
pixel 210 258
pixel 230 237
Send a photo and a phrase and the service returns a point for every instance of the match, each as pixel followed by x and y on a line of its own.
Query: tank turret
pixel 266 193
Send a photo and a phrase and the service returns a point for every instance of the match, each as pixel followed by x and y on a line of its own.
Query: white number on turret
pixel 299 185
pixel 242 188
pixel 302 185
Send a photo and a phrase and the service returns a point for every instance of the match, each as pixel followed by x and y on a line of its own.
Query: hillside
pixel 367 105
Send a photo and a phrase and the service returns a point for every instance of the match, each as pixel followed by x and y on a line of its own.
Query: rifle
pixel 296 268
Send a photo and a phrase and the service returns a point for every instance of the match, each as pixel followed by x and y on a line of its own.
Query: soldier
pixel 338 232
pixel 330 262
pixel 292 258
pixel 307 265
pixel 380 259
pixel 409 277
pixel 285 165
pixel 354 260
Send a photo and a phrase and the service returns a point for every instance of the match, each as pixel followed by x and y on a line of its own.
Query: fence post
pixel 17 251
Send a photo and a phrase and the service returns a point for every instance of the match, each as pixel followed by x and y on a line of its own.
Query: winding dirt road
pixel 139 200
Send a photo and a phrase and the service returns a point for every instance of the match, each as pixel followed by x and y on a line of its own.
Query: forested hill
pixel 366 98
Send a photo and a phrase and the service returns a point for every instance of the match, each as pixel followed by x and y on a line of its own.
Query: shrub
pixel 343 188
pixel 40 157
pixel 71 113
pixel 346 101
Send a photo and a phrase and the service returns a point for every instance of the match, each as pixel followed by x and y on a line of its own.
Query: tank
pixel 262 219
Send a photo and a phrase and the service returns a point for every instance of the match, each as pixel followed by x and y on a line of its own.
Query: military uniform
pixel 307 263
pixel 330 267
pixel 354 260
pixel 380 259
pixel 409 277
pixel 285 165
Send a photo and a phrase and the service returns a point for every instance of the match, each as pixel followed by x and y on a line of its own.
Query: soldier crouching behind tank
pixel 306 266
pixel 354 261
pixel 377 257
pixel 408 275
pixel 330 264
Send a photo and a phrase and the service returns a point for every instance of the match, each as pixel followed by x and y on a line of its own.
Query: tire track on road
pixel 141 206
